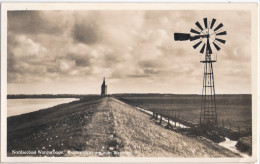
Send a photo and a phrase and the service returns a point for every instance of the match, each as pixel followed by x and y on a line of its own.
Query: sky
pixel 69 52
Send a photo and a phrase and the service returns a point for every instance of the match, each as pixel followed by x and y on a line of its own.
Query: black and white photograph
pixel 129 80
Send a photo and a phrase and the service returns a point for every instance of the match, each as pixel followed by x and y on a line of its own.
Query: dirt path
pixel 100 132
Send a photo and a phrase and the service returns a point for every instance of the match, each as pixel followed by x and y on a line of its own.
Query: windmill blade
pixel 218 27
pixel 216 46
pixel 212 23
pixel 192 38
pixel 222 33
pixel 205 22
pixel 208 47
pixel 202 49
pixel 196 45
pixel 199 26
pixel 194 31
pixel 221 40
pixel 181 36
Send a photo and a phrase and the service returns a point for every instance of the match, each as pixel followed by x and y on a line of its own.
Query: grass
pixel 50 129
pixel 232 109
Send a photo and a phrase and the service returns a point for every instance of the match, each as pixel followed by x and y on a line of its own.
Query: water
pixel 21 106
pixel 231 145
pixel 171 122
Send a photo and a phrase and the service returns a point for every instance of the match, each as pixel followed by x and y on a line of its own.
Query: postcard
pixel 129 82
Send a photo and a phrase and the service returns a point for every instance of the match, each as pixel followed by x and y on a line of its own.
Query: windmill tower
pixel 206 37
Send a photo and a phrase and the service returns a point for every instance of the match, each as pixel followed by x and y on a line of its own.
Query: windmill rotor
pixel 206 35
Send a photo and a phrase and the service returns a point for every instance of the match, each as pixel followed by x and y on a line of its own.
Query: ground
pixel 244 144
pixel 103 127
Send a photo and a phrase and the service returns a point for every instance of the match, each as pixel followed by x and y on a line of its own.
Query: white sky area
pixel 69 52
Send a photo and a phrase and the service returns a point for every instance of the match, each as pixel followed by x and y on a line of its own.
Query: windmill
pixel 205 38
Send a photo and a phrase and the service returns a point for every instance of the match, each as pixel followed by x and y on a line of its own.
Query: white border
pixel 127 6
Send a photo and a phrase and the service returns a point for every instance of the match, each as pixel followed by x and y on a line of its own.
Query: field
pixel 234 111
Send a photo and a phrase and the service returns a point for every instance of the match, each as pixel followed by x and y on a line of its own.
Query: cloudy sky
pixel 54 52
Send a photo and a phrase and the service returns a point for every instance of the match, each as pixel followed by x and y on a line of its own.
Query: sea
pixel 21 106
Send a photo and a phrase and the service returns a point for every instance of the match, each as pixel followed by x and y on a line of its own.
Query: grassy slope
pixel 58 128
pixel 142 137
pixel 103 125
pixel 234 109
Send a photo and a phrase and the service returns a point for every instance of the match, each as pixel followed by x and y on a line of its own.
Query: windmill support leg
pixel 208 115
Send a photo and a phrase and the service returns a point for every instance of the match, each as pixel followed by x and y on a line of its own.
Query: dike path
pixel 102 127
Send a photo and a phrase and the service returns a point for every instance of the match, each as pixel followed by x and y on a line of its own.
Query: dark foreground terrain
pixel 101 127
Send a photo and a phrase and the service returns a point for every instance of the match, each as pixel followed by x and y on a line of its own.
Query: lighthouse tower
pixel 104 87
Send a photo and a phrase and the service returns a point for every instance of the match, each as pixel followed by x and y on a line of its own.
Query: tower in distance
pixel 104 87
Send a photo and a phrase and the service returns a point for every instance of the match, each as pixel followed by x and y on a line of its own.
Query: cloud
pixel 30 22
pixel 133 47
pixel 28 48
pixel 81 60
pixel 84 33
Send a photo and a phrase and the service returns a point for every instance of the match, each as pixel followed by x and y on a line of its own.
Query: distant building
pixel 104 87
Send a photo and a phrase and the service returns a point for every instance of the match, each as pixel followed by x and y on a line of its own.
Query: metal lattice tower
pixel 208 113
pixel 206 37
